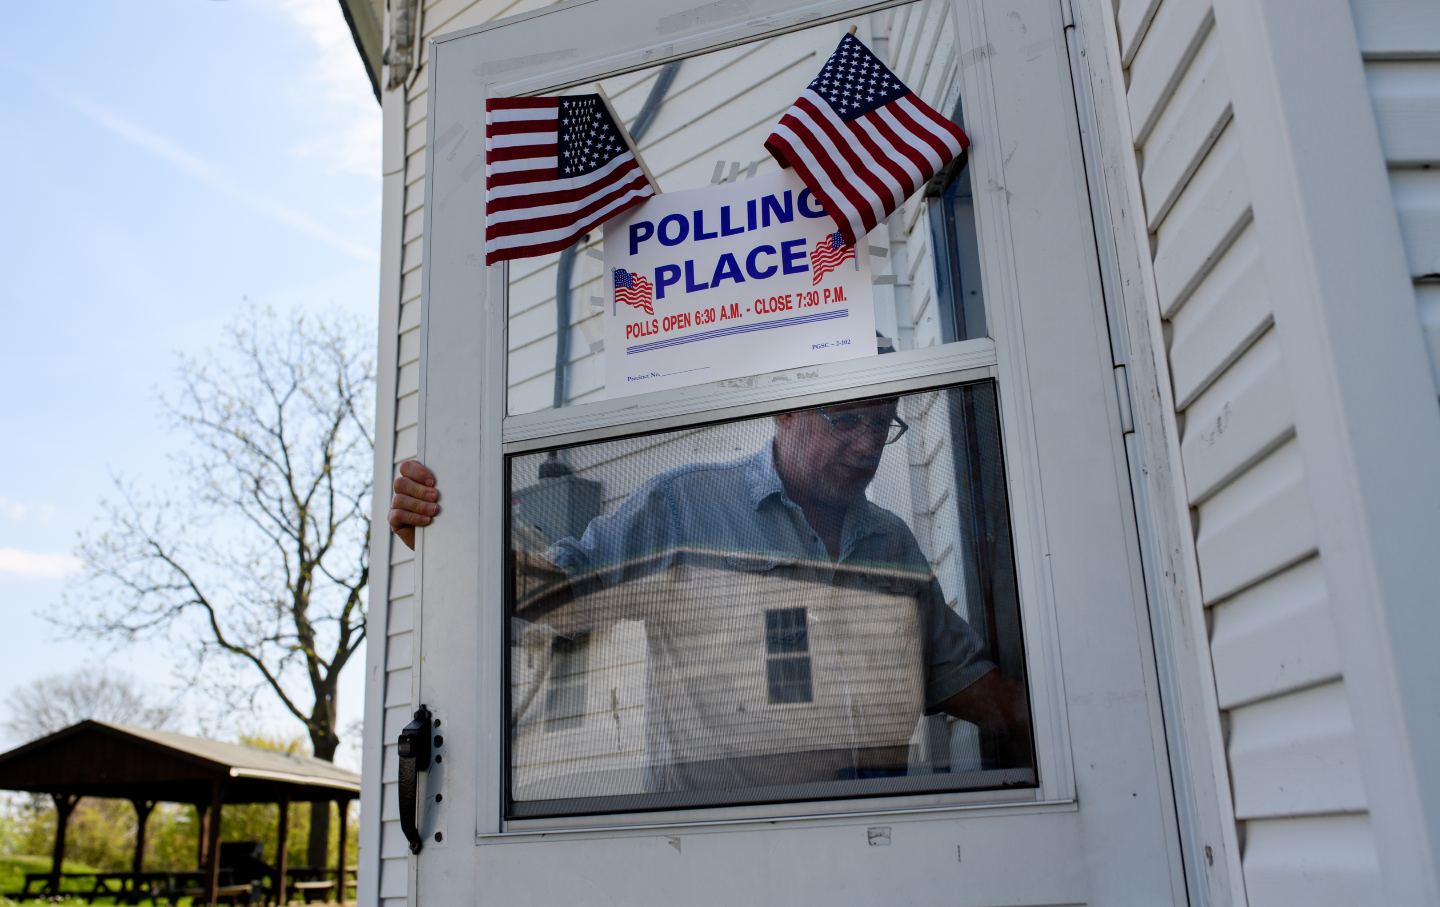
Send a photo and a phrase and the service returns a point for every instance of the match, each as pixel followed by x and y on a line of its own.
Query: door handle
pixel 414 758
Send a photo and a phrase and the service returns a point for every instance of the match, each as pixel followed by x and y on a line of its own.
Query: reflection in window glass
pixel 787 670
pixel 565 693
pixel 958 291
pixel 811 605
pixel 703 121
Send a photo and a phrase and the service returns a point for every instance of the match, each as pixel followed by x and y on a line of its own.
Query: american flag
pixel 634 289
pixel 828 254
pixel 861 140
pixel 554 169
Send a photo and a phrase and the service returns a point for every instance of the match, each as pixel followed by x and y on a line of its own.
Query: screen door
pixel 847 608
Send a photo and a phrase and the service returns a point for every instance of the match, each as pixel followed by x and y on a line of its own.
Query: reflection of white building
pixel 582 709
pixel 1263 181
pixel 747 667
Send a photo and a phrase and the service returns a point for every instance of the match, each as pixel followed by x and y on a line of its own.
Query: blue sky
pixel 163 161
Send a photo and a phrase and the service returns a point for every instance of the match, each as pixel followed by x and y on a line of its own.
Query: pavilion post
pixel 343 808
pixel 64 806
pixel 142 817
pixel 202 826
pixel 212 843
pixel 282 856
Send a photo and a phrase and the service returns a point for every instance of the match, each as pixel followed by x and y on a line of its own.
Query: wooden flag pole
pixel 625 133
pixel 852 30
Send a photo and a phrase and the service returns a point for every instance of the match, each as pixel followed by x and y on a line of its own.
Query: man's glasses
pixel 847 424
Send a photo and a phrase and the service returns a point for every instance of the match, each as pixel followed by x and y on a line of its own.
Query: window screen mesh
pixel 812 605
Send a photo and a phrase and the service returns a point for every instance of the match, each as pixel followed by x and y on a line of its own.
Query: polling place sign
pixel 731 280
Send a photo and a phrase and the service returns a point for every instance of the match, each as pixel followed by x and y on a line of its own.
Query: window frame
pixel 971 783
pixel 1049 746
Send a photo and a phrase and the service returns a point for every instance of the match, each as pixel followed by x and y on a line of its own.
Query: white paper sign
pixel 731 280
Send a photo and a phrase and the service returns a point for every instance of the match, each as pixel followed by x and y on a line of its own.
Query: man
pixel 783 535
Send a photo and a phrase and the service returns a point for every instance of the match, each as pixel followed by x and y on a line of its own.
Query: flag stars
pixel 589 139
pixel 854 81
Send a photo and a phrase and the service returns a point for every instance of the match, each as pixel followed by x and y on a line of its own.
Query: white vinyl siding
pixel 1291 746
pixel 1400 41
pixel 403 239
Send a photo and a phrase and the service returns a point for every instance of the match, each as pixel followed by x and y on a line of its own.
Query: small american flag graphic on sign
pixel 829 253
pixel 634 290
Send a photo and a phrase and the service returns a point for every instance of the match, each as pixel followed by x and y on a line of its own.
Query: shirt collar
pixel 764 482
pixel 763 477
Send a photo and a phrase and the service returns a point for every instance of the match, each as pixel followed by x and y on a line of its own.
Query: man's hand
pixel 998 705
pixel 415 501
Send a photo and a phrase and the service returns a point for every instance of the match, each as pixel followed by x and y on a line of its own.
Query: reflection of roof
pixel 96 758
pixel 540 587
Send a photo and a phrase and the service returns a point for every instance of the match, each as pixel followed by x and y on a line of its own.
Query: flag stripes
pixel 555 168
pixel 861 141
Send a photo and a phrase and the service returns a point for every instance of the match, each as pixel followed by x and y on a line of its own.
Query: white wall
pixel 1400 42
pixel 393 640
pixel 1276 663
pixel 1233 320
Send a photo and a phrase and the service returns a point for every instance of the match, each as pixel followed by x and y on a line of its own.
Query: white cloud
pixel 172 153
pixel 21 511
pixel 342 97
pixel 32 565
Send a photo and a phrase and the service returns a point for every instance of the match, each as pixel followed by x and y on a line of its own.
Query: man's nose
pixel 871 442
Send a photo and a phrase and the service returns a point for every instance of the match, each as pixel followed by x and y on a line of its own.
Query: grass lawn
pixel 12 877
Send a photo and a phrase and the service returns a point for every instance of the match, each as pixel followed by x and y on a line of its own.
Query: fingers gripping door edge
pixel 414 745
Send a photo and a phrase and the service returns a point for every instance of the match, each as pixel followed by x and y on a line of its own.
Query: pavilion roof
pixel 100 759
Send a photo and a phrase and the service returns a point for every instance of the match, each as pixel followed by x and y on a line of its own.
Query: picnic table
pixel 307 884
pixel 192 885
pixel 123 887
pixel 311 883
pixel 130 887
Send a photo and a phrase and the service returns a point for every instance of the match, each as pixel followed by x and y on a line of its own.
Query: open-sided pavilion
pixel 98 759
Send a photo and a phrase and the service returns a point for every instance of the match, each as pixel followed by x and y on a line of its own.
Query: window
pixel 565 693
pixel 787 645
pixel 771 608
pixel 704 120
pixel 958 290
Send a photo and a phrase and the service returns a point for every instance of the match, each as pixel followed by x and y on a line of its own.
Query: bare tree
pixel 48 704
pixel 255 555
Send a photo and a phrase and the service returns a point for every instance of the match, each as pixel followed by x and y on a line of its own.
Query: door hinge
pixel 1122 395
pixel 1067 13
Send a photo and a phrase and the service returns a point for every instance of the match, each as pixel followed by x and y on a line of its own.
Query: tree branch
pixel 248 558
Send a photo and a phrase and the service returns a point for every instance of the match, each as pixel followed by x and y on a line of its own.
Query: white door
pixel 869 630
